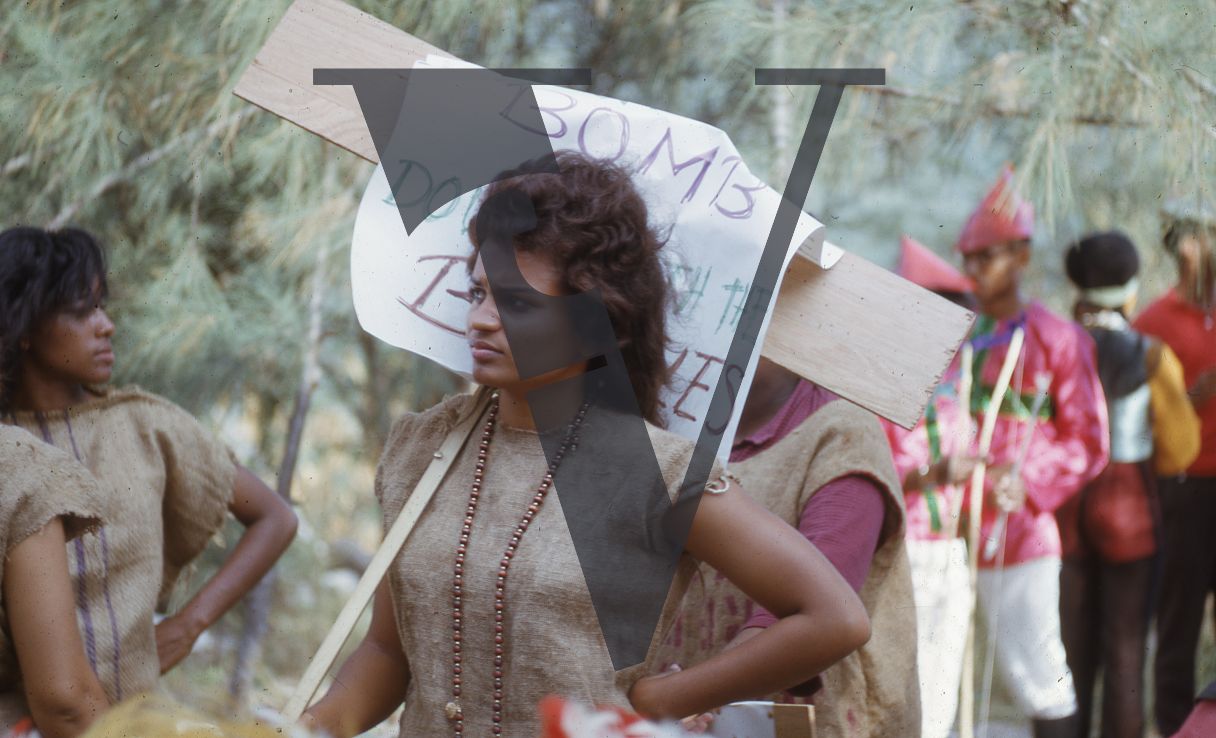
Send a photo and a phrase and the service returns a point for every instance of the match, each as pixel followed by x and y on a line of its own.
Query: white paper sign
pixel 410 290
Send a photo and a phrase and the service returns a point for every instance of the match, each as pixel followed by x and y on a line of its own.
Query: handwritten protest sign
pixel 411 290
pixel 858 330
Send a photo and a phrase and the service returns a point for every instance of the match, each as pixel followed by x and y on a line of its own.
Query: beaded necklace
pixel 453 709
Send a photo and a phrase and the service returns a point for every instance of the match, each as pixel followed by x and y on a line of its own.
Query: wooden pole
pixel 383 558
pixel 966 707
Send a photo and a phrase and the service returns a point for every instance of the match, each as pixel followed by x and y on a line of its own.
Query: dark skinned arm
pixel 270 525
pixel 371 683
pixel 61 690
pixel 821 618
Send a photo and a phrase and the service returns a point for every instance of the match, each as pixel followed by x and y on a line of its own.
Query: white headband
pixel 1115 296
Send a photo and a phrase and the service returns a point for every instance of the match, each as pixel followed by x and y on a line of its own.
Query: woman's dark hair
pixel 1106 259
pixel 42 272
pixel 1179 228
pixel 593 225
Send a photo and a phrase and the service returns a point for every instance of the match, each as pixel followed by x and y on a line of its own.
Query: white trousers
pixel 941 590
pixel 1022 603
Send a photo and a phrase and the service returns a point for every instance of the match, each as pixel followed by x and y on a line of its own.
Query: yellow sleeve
pixel 1175 424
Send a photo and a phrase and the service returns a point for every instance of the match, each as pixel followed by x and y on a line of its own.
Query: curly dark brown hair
pixel 594 226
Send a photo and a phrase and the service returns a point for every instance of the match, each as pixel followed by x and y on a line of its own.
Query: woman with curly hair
pixel 472 647
pixel 165 483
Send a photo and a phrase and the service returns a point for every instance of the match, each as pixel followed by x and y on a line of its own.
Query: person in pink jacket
pixel 1068 445
pixel 931 460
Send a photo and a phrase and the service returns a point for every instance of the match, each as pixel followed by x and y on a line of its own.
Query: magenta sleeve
pixel 1058 466
pixel 844 520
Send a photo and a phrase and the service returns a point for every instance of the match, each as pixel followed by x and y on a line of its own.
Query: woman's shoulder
pixel 41 482
pixel 21 449
pixel 129 399
pixel 668 446
pixel 674 454
pixel 436 421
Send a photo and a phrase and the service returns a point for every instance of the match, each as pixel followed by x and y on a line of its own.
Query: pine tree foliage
pixel 1107 109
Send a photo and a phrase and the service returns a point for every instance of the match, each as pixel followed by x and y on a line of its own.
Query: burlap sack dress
pixel 165 484
pixel 37 484
pixel 873 691
pixel 554 644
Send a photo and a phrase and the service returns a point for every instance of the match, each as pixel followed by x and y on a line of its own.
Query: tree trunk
pixel 258 602
pixel 780 118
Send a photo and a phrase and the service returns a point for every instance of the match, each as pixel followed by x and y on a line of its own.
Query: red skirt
pixel 1114 516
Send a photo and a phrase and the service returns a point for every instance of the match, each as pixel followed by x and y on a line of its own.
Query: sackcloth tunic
pixel 37 484
pixel 554 644
pixel 874 690
pixel 166 484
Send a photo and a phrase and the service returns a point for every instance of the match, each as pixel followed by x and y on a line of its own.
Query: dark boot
pixel 1059 728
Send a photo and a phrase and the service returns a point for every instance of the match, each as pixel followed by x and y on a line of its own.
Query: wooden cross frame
pixel 856 329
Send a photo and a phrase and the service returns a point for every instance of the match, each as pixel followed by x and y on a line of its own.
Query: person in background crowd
pixel 822 465
pixel 1185 320
pixel 1110 532
pixel 1069 442
pixel 1201 723
pixel 46 500
pixel 167 485
pixel 933 463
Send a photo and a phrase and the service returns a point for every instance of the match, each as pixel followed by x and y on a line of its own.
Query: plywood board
pixel 871 337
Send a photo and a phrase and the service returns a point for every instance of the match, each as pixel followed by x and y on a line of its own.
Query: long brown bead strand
pixel 504 567
pixel 453 709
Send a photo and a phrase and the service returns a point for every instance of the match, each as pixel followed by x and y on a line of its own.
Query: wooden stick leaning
pixel 1042 385
pixel 994 546
pixel 383 558
pixel 966 716
pixel 965 434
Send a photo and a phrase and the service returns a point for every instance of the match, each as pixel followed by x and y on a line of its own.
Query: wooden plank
pixel 860 331
pixel 418 500
pixel 794 721
pixel 866 334
pixel 326 33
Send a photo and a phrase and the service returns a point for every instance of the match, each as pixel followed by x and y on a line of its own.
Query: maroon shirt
pixel 843 518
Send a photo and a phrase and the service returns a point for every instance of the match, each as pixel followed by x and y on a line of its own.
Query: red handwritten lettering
pixel 673 370
pixel 417 305
pixel 695 384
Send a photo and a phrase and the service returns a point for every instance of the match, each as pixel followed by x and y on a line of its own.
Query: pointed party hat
pixel 920 265
pixel 1002 216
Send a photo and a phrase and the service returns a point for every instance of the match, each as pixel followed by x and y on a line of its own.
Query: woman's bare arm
pixel 821 618
pixel 269 527
pixel 63 694
pixel 372 682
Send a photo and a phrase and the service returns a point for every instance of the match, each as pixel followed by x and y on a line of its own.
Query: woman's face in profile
pixel 531 315
pixel 72 345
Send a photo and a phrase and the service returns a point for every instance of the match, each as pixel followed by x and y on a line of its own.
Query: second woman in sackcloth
pixel 46 499
pixel 824 466
pixel 168 485
pixel 466 661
